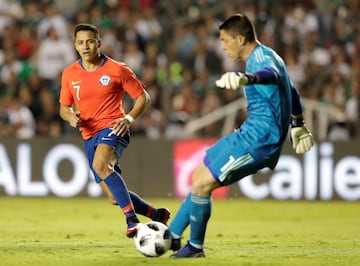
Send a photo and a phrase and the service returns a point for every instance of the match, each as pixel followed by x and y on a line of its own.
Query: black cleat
pixel 175 244
pixel 188 251
pixel 162 215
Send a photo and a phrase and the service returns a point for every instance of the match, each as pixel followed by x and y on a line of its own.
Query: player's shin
pixel 181 220
pixel 199 217
pixel 119 190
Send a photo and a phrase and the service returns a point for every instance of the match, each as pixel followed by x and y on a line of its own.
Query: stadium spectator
pixel 313 36
pixel 48 122
pixel 133 57
pixel 10 13
pixel 52 19
pixel 21 120
pixel 9 71
pixel 54 54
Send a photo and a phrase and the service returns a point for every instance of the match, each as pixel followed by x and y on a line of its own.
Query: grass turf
pixel 83 231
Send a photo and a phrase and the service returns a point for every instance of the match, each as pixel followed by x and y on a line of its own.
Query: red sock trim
pixel 149 212
pixel 128 208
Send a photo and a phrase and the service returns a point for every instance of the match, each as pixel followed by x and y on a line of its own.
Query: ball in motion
pixel 153 239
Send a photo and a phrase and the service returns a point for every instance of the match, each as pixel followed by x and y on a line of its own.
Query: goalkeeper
pixel 273 107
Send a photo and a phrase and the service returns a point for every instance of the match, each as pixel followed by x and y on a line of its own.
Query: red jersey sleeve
pixel 66 97
pixel 130 82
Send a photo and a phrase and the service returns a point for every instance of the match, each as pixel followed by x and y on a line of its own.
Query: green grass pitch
pixel 83 231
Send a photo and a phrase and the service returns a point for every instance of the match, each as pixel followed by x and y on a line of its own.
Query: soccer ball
pixel 152 239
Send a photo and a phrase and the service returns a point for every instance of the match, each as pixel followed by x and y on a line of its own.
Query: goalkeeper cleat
pixel 188 251
pixel 132 223
pixel 162 215
pixel 175 244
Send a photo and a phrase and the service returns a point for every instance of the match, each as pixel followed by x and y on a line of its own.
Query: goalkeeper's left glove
pixel 301 137
pixel 232 80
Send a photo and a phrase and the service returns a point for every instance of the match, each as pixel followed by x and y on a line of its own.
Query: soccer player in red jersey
pixel 92 89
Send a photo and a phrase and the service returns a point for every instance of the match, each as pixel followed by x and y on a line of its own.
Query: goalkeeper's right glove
pixel 232 80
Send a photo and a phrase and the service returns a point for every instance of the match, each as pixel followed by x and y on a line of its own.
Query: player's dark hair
pixel 239 24
pixel 87 27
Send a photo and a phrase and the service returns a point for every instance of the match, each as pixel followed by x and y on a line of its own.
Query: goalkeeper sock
pixel 120 192
pixel 199 217
pixel 182 218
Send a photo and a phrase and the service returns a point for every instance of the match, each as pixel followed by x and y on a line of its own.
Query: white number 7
pixel 77 88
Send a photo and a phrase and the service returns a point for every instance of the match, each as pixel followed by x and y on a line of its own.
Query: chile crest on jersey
pixel 105 80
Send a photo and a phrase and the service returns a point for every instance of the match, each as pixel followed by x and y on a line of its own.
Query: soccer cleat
pixel 188 251
pixel 132 223
pixel 162 215
pixel 175 244
pixel 131 231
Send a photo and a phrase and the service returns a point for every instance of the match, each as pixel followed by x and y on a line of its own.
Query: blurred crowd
pixel 173 47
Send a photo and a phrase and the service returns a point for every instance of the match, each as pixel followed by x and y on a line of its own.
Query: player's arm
pixel 232 80
pixel 68 114
pixel 121 125
pixel 66 109
pixel 141 104
pixel 297 110
pixel 301 138
pixel 266 75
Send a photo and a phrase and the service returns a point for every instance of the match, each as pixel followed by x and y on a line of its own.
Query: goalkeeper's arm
pixel 232 80
pixel 297 110
pixel 300 135
pixel 266 75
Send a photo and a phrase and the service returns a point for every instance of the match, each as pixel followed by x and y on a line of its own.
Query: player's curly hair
pixel 87 27
pixel 239 24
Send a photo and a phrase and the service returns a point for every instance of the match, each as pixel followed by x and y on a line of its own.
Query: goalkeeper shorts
pixel 229 159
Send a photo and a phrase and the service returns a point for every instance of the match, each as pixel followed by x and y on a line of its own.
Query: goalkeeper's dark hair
pixel 239 24
pixel 87 27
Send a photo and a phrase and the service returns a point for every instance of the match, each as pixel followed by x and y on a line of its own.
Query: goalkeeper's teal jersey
pixel 269 106
pixel 258 141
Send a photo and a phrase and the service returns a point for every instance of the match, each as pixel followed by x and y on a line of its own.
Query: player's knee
pixel 113 201
pixel 101 169
pixel 203 186
pixel 200 188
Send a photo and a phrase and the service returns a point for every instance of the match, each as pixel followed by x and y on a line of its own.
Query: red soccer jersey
pixel 98 94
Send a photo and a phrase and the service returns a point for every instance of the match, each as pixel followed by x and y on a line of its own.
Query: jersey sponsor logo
pixel 105 80
pixel 75 82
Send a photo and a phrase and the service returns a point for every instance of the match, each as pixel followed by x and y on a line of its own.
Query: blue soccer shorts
pixel 105 136
pixel 230 159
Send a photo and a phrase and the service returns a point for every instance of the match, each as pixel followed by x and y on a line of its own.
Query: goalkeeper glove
pixel 301 139
pixel 232 80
